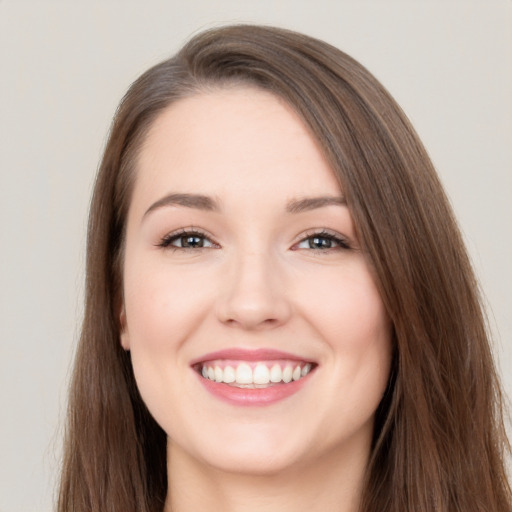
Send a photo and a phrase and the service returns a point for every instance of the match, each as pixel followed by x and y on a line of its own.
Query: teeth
pixel 229 375
pixel 305 370
pixel 243 374
pixel 259 375
pixel 276 374
pixel 218 374
pixel 287 374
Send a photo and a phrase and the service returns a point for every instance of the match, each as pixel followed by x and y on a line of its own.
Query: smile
pixel 256 374
pixel 252 377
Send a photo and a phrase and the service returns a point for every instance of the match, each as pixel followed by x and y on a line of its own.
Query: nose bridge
pixel 254 295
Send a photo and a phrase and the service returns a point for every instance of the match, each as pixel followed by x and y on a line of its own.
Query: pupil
pixel 192 241
pixel 320 243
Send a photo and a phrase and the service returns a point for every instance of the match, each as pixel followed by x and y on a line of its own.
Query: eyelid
pixel 166 241
pixel 343 242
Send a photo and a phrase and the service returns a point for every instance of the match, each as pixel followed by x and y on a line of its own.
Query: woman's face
pixel 257 335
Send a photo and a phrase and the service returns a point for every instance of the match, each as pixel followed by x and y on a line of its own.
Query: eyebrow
pixel 312 203
pixel 207 203
pixel 197 201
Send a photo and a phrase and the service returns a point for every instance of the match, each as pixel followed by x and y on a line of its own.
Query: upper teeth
pixel 243 374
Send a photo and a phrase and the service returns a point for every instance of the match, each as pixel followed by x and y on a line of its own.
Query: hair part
pixel 439 439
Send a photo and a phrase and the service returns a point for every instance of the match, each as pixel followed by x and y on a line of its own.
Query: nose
pixel 253 295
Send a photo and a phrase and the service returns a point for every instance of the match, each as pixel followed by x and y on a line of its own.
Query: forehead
pixel 240 139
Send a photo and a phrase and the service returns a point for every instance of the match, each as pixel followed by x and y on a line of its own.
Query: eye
pixel 323 241
pixel 186 240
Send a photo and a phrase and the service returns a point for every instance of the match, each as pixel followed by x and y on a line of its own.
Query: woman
pixel 280 313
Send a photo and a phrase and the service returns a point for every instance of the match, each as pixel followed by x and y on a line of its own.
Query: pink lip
pixel 249 396
pixel 240 354
pixel 252 397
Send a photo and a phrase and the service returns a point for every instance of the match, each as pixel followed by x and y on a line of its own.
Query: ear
pixel 123 329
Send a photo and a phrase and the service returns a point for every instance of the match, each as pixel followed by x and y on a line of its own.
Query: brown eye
pixel 191 241
pixel 186 240
pixel 323 242
pixel 319 242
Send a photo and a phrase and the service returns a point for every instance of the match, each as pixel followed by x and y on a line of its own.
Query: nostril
pixel 252 315
pixel 253 296
pixel 253 321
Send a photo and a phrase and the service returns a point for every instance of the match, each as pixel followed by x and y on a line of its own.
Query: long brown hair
pixel 439 441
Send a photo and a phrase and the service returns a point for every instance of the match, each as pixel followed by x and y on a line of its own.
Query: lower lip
pixel 252 397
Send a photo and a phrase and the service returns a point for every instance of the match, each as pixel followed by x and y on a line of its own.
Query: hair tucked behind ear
pixel 439 442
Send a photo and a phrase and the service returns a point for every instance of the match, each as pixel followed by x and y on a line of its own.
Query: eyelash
pixel 340 241
pixel 167 240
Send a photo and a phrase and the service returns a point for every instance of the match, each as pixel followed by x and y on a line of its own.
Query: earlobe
pixel 123 329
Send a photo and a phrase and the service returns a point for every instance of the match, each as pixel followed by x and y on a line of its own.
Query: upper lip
pixel 241 354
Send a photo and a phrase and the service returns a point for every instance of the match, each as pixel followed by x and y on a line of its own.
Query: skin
pixel 258 282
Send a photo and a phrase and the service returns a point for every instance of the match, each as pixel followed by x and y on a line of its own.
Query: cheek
pixel 163 309
pixel 163 304
pixel 363 332
pixel 344 304
pixel 351 320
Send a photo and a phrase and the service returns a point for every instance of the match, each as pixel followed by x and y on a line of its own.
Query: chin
pixel 250 450
pixel 253 462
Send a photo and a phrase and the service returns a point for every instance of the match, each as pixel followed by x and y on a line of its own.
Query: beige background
pixel 65 65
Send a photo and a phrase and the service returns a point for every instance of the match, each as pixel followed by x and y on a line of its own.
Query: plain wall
pixel 64 67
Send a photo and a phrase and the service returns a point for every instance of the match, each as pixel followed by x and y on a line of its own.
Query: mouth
pixel 256 377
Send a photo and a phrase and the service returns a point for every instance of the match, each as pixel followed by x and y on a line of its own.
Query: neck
pixel 333 483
